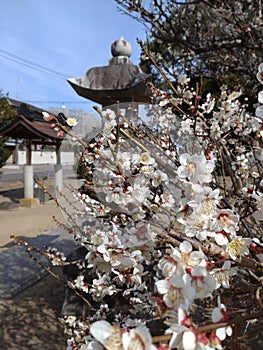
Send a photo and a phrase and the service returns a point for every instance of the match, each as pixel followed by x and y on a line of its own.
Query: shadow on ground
pixel 30 321
pixel 13 194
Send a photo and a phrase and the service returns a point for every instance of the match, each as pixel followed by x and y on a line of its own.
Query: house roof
pixel 30 125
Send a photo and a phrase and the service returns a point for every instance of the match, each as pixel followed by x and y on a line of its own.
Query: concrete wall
pixel 44 157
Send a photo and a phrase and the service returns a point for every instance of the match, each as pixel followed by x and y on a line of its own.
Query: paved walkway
pixel 18 271
pixel 34 225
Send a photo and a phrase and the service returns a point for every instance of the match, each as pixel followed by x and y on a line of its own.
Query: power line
pixel 31 64
pixel 12 95
pixel 57 102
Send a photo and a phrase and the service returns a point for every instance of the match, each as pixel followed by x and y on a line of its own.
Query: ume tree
pixel 220 39
pixel 170 213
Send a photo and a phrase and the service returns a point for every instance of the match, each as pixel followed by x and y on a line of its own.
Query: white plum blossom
pixel 191 258
pixel 80 284
pixel 167 120
pixel 183 79
pixel 109 114
pixel 195 168
pixel 109 119
pixel 146 159
pixel 176 290
pixel 223 275
pixel 91 345
pixel 120 258
pixel 138 193
pixel 109 336
pixel 71 320
pixel 182 338
pixel 226 221
pixel 219 314
pixel 164 211
pixel 238 247
pixel 47 116
pixel 171 265
pixel 158 177
pixel 71 121
pixel 220 238
pixel 180 260
pixel 102 286
pixel 57 258
pixel 260 73
pixel 234 95
pixel 203 283
pixel 124 160
pixel 140 234
pixel 196 225
pixel 115 338
pixel 186 127
pixel 187 95
pixel 260 97
pixel 138 338
pixel 259 113
pixel 167 200
pixel 209 105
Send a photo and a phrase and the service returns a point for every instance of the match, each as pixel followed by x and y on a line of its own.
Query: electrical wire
pixel 58 102
pixel 20 60
pixel 61 102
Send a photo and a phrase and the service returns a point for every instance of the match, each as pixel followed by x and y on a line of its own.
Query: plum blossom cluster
pixel 170 226
pixel 59 123
pixel 56 257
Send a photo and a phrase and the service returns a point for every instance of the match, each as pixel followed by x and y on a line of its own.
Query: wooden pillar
pixel 28 152
pixel 16 152
pixel 28 172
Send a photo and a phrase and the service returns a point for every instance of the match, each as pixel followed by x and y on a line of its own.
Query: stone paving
pixel 18 271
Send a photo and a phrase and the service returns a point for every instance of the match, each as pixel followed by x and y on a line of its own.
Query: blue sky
pixel 64 36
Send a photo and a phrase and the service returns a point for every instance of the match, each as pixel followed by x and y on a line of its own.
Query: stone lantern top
pixel 121 50
pixel 119 81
